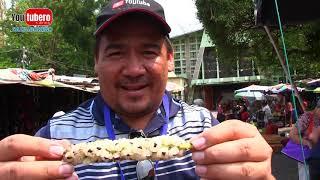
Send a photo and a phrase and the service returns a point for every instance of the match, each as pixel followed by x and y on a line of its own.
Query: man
pixel 267 112
pixel 288 114
pixel 309 126
pixel 132 60
pixel 314 160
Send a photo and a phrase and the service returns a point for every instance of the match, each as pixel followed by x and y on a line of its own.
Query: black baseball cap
pixel 118 8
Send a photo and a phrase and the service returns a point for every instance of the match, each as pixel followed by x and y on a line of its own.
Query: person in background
pixel 221 116
pixel 198 102
pixel 288 114
pixel 308 124
pixel 271 128
pixel 228 110
pixel 267 112
pixel 246 103
pixel 235 110
pixel 314 159
pixel 244 114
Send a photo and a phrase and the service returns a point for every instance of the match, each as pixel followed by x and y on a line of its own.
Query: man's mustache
pixel 135 80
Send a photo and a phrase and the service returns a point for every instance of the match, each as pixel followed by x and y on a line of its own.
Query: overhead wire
pixel 58 62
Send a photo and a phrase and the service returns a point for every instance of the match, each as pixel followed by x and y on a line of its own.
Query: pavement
pixel 284 168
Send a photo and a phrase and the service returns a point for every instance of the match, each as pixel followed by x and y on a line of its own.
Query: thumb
pixel 226 131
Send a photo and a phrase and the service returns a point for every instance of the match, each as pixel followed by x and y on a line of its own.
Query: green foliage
pixel 68 48
pixel 231 24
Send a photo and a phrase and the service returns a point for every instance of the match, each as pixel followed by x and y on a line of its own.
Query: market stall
pixel 28 99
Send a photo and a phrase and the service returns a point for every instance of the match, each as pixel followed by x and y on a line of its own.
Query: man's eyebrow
pixel 152 45
pixel 113 46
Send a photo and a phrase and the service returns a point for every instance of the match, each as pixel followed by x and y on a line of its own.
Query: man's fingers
pixel 32 158
pixel 239 171
pixel 242 150
pixel 64 143
pixel 20 145
pixel 73 177
pixel 223 132
pixel 28 158
pixel 35 170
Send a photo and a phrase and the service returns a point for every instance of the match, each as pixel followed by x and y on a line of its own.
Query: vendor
pixel 309 124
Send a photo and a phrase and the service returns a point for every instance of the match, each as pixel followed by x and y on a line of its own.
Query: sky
pixel 8 3
pixel 181 15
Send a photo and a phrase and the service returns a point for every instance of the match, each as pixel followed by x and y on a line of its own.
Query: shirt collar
pixel 156 122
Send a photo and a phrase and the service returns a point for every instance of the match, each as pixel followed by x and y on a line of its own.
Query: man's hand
pixel 27 157
pixel 232 150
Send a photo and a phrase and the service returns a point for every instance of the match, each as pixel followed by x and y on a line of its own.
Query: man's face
pixel 132 66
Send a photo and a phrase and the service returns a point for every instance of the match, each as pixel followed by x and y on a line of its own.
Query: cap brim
pixel 106 23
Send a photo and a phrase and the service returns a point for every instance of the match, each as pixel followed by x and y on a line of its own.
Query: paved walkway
pixel 284 168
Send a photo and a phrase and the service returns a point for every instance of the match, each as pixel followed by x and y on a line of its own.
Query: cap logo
pixel 118 4
pixel 140 2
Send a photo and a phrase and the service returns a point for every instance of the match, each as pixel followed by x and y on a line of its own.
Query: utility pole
pixel 24 57
pixel 2 17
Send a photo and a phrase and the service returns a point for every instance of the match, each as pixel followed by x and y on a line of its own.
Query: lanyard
pixel 110 131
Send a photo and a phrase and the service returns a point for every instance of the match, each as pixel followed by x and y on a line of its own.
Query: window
pixel 192 39
pixel 193 55
pixel 199 39
pixel 193 47
pixel 192 70
pixel 193 62
pixel 177 48
pixel 183 55
pixel 184 63
pixel 245 67
pixel 177 63
pixel 177 55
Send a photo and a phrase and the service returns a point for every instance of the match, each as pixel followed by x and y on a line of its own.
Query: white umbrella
pixel 256 95
pixel 254 88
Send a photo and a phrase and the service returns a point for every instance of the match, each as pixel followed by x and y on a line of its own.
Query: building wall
pixel 219 68
pixel 217 77
pixel 186 48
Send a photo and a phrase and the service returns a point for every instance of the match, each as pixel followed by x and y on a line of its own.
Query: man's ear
pixel 96 57
pixel 95 69
pixel 170 62
pixel 95 64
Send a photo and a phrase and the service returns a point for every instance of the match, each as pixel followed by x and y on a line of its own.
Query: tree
pixel 231 24
pixel 68 48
